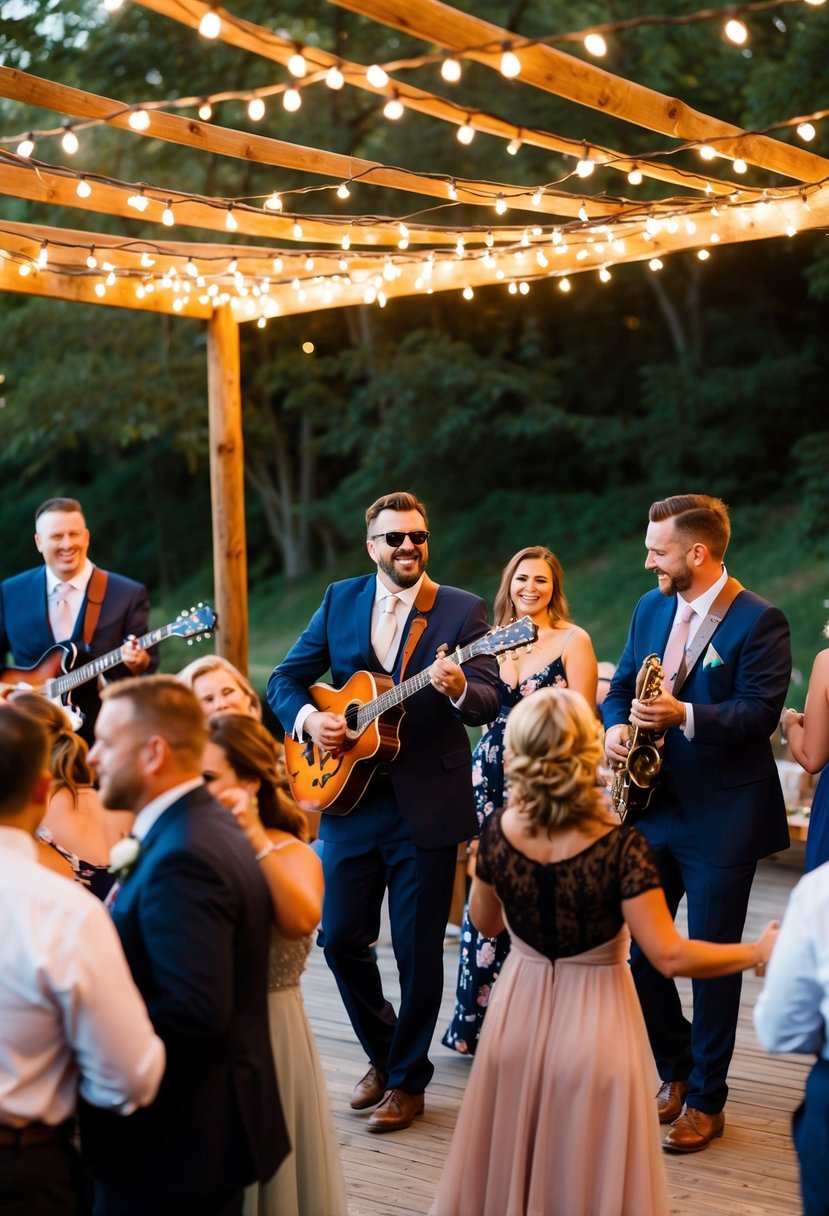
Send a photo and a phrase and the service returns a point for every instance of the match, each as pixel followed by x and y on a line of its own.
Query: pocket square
pixel 711 659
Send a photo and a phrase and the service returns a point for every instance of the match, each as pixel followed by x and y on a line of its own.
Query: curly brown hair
pixel 252 753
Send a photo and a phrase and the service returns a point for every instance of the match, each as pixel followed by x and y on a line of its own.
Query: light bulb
pixel 343 191
pixel 91 260
pixel 466 133
pixel 138 201
pixel 595 45
pixel 205 111
pixel 489 239
pixel 256 109
pixel 334 77
pixel 110 279
pixel 43 256
pixel 393 109
pixel 500 205
pixel 26 147
pixel 139 120
pixel 84 188
pixel 468 293
pixel 296 231
pixel 376 77
pixel 707 152
pixel 450 70
pixel 583 214
pixel 690 227
pixel 510 63
pixel 452 191
pixel 167 217
pixel 513 146
pixel 100 290
pixel 537 197
pixel 605 275
pixel 69 142
pixel 564 284
pixel 273 202
pixel 585 166
pixel 297 65
pixel 524 288
pixel 231 223
pixel 703 255
pixel 291 99
pixel 210 25
pixel 736 31
pixel 635 177
pixel 346 241
pixel 805 130
pixel 740 166
pixel 656 264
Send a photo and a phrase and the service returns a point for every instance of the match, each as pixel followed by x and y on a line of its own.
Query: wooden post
pixel 227 487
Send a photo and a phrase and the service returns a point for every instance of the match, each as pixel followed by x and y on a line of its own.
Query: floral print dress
pixel 481 957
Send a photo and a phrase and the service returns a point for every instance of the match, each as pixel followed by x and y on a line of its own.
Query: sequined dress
pixel 310 1180
pixel 481 958
pixel 563 1075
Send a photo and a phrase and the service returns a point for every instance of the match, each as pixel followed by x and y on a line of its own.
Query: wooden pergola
pixel 307 262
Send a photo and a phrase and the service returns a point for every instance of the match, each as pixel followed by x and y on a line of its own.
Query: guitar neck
pixel 393 696
pixel 71 679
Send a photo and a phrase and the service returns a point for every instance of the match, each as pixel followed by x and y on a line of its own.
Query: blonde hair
pixel 67 750
pixel 552 749
pixel 215 662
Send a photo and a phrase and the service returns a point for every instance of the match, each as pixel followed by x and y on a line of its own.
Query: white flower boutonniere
pixel 123 856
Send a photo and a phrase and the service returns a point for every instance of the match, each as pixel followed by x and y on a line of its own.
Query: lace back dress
pixel 309 1182
pixel 564 1074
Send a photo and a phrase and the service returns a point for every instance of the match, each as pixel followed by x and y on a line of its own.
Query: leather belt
pixel 35 1133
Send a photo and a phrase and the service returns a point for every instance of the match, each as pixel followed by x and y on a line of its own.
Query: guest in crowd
pixel 220 687
pixel 67 599
pixel 532 584
pixel 73 1020
pixel 717 806
pixel 193 913
pixel 792 1014
pixel 558 1115
pixel 808 739
pixel 240 768
pixel 76 826
pixel 404 832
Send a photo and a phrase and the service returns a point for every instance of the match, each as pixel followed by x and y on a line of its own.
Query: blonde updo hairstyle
pixel 216 662
pixel 67 750
pixel 552 751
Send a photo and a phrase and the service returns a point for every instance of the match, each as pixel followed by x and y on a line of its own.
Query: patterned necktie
pixel 385 630
pixel 60 613
pixel 675 650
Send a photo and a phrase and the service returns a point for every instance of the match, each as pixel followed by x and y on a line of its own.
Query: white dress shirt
pixel 701 606
pixel 792 1012
pixel 72 1019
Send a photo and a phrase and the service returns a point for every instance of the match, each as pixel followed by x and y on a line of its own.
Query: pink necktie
pixel 60 613
pixel 385 630
pixel 675 649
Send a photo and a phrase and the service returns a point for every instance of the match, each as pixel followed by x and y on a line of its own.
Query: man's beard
pixel 120 792
pixel 398 577
pixel 677 582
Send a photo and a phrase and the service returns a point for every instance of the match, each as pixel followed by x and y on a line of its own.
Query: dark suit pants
pixel 43 1180
pixel 122 1201
pixel 810 1128
pixel 364 854
pixel 700 1051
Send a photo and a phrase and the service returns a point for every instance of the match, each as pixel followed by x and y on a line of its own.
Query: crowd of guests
pixel 167 1023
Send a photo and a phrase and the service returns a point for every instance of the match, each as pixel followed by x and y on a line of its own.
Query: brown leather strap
pixel 424 603
pixel 95 592
pixel 716 614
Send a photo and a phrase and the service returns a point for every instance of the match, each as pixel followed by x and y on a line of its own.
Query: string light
pixel 450 70
pixel 291 99
pixel 296 231
pixel 635 176
pixel 210 25
pixel 489 239
pixel 138 201
pixel 740 166
pixel 805 130
pixel 334 77
pixel 452 191
pixel 585 166
pixel 703 255
pixel 500 205
pixel 707 152
pixel 466 133
pixel 537 197
pixel 26 146
pixel 297 65
pixel 656 264
pixel 343 191
pixel 393 109
pixel 84 189
pixel 69 142
pixel 273 202
pixel 100 290
pixel 256 109
pixel 468 293
pixel 736 31
pixel 510 63
pixel 583 214
pixel 377 77
pixel 43 256
pixel 524 288
pixel 595 45
pixel 91 260
pixel 605 275
pixel 564 284
pixel 513 146
pixel 139 119
pixel 205 111
pixel 231 223
pixel 167 217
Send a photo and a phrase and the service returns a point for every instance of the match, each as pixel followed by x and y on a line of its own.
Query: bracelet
pixel 264 851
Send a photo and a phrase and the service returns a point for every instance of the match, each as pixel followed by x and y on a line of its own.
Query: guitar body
pixel 58 658
pixel 322 781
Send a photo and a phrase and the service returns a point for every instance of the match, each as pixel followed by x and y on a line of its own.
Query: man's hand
pixel 658 715
pixel 134 658
pixel 617 743
pixel 326 729
pixel 446 677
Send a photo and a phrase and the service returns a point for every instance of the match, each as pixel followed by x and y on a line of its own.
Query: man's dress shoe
pixel 693 1131
pixel 397 1110
pixel 369 1090
pixel 669 1100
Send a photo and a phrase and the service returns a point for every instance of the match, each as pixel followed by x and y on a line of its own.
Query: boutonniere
pixel 123 855
pixel 712 659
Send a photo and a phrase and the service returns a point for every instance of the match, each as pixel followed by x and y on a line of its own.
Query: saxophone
pixel 633 779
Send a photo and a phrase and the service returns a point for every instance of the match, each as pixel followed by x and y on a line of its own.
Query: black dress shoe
pixel 670 1099
pixel 369 1090
pixel 397 1110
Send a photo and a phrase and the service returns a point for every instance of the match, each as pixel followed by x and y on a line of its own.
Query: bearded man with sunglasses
pixel 404 831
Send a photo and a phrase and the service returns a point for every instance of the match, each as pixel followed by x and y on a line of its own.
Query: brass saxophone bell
pixel 643 764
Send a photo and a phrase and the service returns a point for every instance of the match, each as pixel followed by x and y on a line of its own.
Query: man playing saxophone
pixel 716 805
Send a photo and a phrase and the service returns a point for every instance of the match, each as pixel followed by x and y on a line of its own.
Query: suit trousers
pixel 364 854
pixel 43 1180
pixel 117 1201
pixel 700 1051
pixel 810 1128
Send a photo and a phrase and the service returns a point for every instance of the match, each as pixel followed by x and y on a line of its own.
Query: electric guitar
pixel 53 675
pixel 371 704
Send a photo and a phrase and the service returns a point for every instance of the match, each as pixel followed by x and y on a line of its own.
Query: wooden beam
pixel 566 76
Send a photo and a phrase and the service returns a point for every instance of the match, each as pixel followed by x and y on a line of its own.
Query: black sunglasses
pixel 393 539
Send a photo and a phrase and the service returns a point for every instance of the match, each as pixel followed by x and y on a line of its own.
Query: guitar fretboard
pixel 71 679
pixel 393 696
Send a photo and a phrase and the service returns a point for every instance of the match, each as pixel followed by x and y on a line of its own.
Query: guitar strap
pixel 95 592
pixel 424 603
pixel 703 635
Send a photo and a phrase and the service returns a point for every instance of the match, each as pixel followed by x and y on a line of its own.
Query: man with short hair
pixel 717 806
pixel 56 601
pixel 403 834
pixel 72 1019
pixel 193 912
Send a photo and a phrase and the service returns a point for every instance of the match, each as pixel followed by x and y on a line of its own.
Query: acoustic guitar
pixel 371 704
pixel 53 675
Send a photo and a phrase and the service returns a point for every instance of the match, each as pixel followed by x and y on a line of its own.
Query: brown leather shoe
pixel 370 1090
pixel 397 1110
pixel 669 1099
pixel 693 1131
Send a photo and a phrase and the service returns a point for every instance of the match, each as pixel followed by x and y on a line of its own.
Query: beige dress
pixel 559 1117
pixel 309 1182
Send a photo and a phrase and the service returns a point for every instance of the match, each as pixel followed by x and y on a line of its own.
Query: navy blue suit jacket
pixel 26 632
pixel 194 919
pixel 725 780
pixel 431 775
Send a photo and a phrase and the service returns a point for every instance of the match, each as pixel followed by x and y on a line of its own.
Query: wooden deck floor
pixel 751 1171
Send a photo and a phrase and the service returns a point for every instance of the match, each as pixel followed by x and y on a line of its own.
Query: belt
pixel 35 1133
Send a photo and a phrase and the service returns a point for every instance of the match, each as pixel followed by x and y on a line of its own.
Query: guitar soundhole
pixel 350 715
